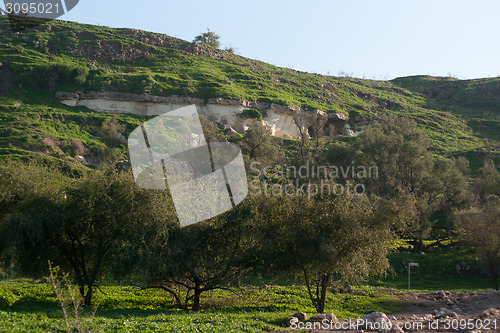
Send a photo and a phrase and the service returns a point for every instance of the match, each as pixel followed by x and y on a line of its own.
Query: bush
pixel 50 76
pixel 252 113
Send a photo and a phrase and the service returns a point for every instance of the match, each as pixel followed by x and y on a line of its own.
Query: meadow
pixel 260 305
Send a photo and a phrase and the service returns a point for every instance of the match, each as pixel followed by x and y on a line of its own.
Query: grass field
pixel 32 306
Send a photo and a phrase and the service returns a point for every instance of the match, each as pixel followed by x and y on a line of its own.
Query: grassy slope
pixel 458 115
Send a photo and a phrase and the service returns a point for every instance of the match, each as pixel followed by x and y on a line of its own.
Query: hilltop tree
pixel 208 38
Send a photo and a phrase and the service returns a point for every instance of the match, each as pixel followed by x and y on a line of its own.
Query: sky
pixel 364 38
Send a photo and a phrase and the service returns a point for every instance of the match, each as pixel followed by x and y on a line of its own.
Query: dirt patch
pixel 440 311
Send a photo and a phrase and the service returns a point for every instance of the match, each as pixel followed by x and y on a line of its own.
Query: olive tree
pixel 480 229
pixel 84 227
pixel 186 262
pixel 410 174
pixel 323 239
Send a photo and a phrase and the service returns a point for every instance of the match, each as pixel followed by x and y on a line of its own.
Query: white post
pixel 410 264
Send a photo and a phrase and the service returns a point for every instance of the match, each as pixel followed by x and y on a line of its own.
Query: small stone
pixel 484 314
pixel 396 329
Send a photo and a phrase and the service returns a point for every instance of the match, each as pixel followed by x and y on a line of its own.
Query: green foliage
pixel 259 146
pixel 253 114
pixel 323 239
pixel 53 75
pixel 437 270
pixel 172 67
pixel 208 38
pixel 410 175
pixel 110 131
pixel 480 228
pixel 81 227
pixel 193 260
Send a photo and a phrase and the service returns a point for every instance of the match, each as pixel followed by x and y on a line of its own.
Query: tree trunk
pixel 321 302
pixel 493 268
pixel 418 244
pixel 196 298
pixel 88 297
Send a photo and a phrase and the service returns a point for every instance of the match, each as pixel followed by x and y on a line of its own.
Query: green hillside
pixel 459 116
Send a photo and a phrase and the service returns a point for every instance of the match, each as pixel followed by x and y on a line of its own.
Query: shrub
pixel 50 76
pixel 252 113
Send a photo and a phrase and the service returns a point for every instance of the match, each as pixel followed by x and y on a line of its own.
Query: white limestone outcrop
pixel 279 119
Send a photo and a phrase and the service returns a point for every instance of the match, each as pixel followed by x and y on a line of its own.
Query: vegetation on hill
pixel 458 115
pixel 68 197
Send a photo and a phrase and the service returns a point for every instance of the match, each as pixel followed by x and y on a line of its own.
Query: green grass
pixel 44 128
pixel 437 270
pixel 459 116
pixel 31 306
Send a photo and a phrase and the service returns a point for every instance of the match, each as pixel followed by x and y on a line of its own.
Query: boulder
pixel 338 116
pixel 331 317
pixel 317 318
pixel 300 316
pixel 378 320
pixel 289 321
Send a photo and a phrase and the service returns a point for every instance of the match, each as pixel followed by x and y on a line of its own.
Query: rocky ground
pixel 433 312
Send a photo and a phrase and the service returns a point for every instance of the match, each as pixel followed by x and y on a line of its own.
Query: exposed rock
pixel 338 116
pixel 377 320
pixel 279 119
pixel 317 318
pixel 331 317
pixel 396 329
pixel 444 312
pixel 487 313
pixel 320 113
pixel 289 321
pixel 300 316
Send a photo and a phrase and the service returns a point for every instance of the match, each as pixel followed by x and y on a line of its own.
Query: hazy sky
pixel 374 39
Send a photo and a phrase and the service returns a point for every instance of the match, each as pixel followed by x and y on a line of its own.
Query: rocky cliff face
pixel 225 113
